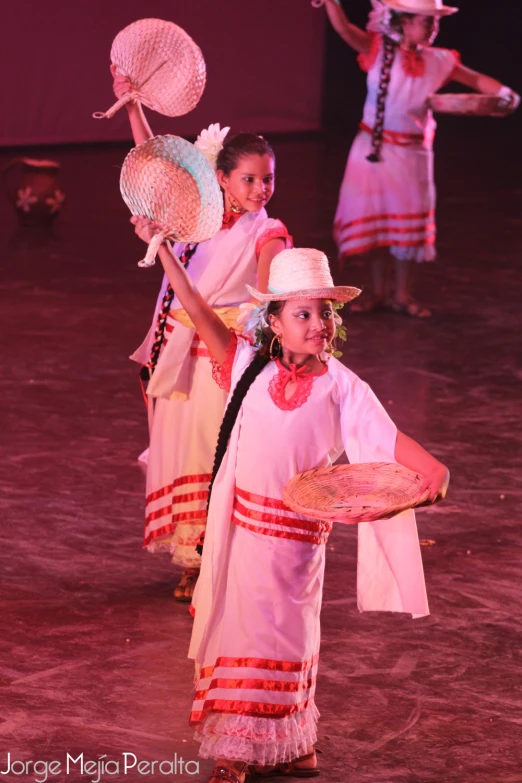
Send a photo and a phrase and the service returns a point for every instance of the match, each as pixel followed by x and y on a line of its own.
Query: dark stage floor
pixel 93 645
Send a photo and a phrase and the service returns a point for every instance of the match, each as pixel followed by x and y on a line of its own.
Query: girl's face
pixel 251 184
pixel 305 326
pixel 420 30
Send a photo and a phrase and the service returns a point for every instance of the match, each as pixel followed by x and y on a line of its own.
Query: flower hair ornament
pixel 211 141
pixel 379 21
pixel 252 320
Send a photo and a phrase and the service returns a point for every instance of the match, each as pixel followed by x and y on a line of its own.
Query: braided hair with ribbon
pixel 390 50
pixel 159 335
pixel 256 366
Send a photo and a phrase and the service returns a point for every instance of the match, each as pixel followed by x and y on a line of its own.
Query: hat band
pixel 423 5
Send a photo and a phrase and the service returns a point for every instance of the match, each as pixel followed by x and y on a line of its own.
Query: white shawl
pixel 390 575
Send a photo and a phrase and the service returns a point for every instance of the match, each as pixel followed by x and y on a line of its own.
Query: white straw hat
pixel 423 7
pixel 302 273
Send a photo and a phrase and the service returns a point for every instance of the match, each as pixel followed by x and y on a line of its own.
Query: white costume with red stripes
pixel 188 404
pixel 256 629
pixel 391 203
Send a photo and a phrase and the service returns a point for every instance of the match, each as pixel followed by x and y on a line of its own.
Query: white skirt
pixel 390 203
pixel 182 446
pixel 254 699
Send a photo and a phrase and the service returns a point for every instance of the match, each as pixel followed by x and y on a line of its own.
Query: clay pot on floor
pixel 32 187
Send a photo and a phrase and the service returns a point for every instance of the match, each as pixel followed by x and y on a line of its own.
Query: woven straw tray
pixel 354 493
pixel 470 104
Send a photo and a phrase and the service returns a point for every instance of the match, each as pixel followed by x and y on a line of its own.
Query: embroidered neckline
pixel 413 62
pixel 303 379
pixel 230 218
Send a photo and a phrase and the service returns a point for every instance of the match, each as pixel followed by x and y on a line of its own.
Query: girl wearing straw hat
pixel 256 632
pixel 387 197
pixel 185 405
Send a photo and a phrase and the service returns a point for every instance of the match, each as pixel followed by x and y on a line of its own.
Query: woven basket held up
pixel 168 180
pixel 470 104
pixel 354 493
pixel 166 68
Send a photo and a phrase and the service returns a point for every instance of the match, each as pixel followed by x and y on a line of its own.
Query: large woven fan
pixel 168 180
pixel 166 68
pixel 354 493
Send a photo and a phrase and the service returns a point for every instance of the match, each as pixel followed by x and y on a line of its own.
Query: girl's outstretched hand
pixel 437 484
pixel 120 84
pixel 145 228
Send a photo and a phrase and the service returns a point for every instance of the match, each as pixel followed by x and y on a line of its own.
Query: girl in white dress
pixel 256 631
pixel 186 404
pixel 387 197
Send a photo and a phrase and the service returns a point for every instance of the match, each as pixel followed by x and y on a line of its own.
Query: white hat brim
pixel 444 10
pixel 339 293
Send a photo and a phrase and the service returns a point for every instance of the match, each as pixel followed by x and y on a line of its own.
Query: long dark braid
pixel 390 49
pixel 255 367
pixel 159 335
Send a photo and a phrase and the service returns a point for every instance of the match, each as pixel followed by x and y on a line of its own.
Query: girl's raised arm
pixel 484 84
pixel 141 130
pixel 358 39
pixel 211 328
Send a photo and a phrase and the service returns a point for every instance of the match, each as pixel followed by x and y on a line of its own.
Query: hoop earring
pixel 271 349
pixel 235 206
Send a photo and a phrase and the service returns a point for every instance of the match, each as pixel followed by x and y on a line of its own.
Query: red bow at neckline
pixel 230 218
pixel 413 62
pixel 294 373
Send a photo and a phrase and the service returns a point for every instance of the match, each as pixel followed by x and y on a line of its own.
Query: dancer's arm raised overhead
pixel 358 39
pixel 141 129
pixel 209 325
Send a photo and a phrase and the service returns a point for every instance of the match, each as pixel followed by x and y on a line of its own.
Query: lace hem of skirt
pixel 181 545
pixel 265 741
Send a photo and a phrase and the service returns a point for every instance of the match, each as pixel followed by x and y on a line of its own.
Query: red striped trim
pixel 260 500
pixel 183 516
pixel 197 478
pixel 259 663
pixel 386 216
pixel 426 228
pixel 167 529
pixel 250 684
pixel 249 708
pixel 201 494
pixel 388 243
pixel 269 531
pixel 398 138
pixel 201 352
pixel 314 526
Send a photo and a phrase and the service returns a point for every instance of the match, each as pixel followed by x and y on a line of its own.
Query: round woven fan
pixel 165 67
pixel 470 104
pixel 168 180
pixel 354 493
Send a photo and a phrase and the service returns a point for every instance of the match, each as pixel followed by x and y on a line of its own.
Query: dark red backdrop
pixel 264 60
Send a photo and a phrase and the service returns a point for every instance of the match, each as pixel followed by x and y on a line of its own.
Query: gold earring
pixel 235 206
pixel 271 350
